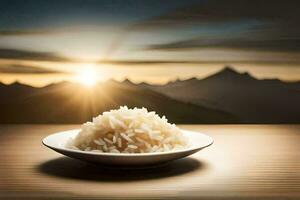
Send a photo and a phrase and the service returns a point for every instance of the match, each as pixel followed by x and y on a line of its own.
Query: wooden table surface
pixel 245 162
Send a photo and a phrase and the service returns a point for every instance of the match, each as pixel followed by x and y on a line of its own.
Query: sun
pixel 88 78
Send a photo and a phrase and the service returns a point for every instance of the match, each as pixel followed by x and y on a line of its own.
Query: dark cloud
pixel 158 63
pixel 24 69
pixel 274 25
pixel 25 32
pixel 17 54
pixel 259 44
pixel 144 62
pixel 214 11
pixel 48 31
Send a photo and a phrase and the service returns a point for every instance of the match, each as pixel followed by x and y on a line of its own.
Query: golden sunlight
pixel 87 77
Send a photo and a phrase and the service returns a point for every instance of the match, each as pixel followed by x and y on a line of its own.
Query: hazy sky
pixel 154 41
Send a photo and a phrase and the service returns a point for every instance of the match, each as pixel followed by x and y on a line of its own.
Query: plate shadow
pixel 75 169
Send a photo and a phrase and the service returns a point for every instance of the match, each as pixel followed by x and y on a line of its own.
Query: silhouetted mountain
pixel 67 102
pixel 252 100
pixel 225 97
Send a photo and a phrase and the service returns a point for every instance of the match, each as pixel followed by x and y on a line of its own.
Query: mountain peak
pixel 228 70
pixel 127 81
pixel 17 84
pixel 230 73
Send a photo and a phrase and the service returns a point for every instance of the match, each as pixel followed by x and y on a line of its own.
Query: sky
pixel 152 41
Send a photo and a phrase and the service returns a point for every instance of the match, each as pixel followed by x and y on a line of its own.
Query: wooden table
pixel 245 162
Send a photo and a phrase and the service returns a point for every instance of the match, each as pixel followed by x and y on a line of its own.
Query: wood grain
pixel 245 162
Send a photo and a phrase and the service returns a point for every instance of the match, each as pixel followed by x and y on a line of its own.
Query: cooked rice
pixel 128 131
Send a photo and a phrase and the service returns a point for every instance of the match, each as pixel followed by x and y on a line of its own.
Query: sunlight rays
pixel 87 78
pixel 88 75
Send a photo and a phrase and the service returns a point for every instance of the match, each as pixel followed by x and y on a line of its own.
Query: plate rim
pixel 188 149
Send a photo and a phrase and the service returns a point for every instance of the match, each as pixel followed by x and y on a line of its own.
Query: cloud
pixel 17 54
pixel 48 31
pixel 144 62
pixel 25 32
pixel 24 69
pixel 214 11
pixel 158 63
pixel 273 25
pixel 259 44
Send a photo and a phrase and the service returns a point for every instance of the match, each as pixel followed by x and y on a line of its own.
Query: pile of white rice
pixel 128 131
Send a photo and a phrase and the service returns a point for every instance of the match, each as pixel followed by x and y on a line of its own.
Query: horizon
pixel 154 42
pixel 153 84
pixel 150 74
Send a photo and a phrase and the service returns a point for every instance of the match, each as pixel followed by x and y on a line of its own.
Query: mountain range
pixel 249 99
pixel 224 97
pixel 68 102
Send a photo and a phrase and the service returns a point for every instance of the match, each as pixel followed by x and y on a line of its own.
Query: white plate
pixel 58 140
